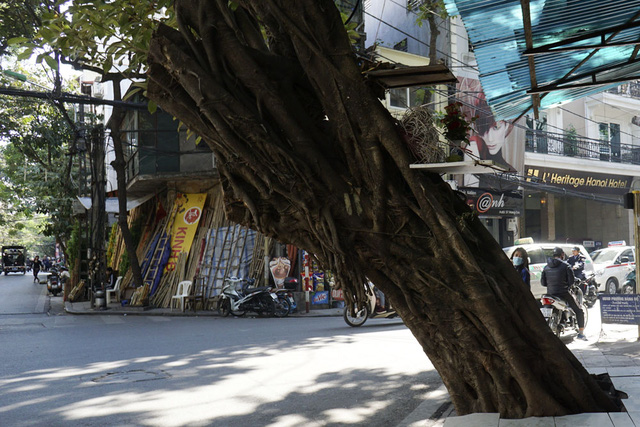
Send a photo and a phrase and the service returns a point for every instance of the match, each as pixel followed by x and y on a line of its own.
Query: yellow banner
pixel 187 215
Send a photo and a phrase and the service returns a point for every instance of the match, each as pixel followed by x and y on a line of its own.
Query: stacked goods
pixel 169 283
pixel 140 296
pixel 76 291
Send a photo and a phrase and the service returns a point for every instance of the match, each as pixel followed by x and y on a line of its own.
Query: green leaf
pixel 16 41
pixel 51 62
pixel 131 92
pixel 152 106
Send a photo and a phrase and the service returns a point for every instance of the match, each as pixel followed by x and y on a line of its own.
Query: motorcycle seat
pixel 248 291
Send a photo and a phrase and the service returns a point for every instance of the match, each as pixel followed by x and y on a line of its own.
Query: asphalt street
pixel 58 369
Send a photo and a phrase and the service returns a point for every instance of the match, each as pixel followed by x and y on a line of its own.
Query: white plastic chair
pixel 115 291
pixel 181 293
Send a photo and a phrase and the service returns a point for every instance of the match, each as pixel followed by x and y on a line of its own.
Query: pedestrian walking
pixel 37 265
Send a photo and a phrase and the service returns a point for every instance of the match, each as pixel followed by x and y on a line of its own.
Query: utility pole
pixel 636 238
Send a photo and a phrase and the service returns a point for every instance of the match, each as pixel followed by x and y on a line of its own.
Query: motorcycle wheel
pixel 586 315
pixel 282 308
pixel 224 307
pixel 554 323
pixel 357 320
pixel 628 289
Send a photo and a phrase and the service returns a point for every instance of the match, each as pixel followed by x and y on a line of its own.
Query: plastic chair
pixel 115 291
pixel 181 293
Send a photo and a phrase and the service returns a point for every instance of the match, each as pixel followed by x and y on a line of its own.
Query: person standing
pixel 576 261
pixel 520 260
pixel 37 265
pixel 557 277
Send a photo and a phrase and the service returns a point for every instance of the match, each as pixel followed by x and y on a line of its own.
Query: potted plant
pixel 456 127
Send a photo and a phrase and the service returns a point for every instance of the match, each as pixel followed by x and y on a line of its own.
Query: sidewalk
pixel 614 349
pixel 611 349
pixel 84 307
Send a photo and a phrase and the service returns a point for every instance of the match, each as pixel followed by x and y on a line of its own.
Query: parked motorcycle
pixel 371 310
pixel 559 316
pixel 239 296
pixel 286 293
pixel 589 288
pixel 54 284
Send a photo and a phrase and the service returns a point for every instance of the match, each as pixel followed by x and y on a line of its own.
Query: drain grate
pixel 133 376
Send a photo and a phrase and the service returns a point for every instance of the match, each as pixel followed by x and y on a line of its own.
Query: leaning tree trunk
pixel 307 154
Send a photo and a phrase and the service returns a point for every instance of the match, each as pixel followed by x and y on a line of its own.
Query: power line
pixel 420 41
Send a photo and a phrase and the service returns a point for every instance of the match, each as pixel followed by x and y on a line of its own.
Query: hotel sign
pixel 583 181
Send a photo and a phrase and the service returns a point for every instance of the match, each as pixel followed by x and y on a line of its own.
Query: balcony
pixel 581 148
pixel 630 90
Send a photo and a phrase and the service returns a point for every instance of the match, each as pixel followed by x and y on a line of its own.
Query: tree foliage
pixel 36 166
pixel 110 38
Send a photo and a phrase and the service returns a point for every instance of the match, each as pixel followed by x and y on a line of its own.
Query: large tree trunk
pixel 308 155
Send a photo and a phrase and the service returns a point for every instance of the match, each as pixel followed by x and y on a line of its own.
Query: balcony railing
pixel 631 89
pixel 580 147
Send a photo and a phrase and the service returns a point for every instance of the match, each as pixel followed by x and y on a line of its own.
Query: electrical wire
pixel 465 65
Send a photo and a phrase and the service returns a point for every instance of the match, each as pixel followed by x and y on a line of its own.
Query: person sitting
pixel 576 261
pixel 557 277
pixel 111 279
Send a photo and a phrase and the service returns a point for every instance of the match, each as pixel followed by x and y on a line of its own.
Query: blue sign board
pixel 321 297
pixel 620 309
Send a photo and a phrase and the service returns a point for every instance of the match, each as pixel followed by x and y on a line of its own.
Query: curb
pixel 148 311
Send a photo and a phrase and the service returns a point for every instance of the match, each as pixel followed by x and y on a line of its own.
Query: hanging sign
pixel 620 309
pixel 280 268
pixel 187 216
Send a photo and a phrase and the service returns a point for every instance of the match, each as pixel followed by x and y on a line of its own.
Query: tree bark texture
pixel 308 155
pixel 120 165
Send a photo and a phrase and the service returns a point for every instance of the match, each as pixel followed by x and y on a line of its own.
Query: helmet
pixel 557 252
pixel 575 248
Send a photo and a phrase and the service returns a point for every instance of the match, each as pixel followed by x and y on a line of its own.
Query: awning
pixel 111 203
pixel 546 52
pixel 426 75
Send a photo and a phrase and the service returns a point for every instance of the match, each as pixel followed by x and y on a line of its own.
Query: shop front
pixel 498 211
pixel 576 206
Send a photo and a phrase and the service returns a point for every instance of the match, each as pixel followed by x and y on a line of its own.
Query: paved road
pixel 58 369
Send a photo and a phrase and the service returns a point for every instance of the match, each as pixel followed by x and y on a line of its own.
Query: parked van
pixel 538 255
pixel 13 258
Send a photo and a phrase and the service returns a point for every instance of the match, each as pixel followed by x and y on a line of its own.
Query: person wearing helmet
pixel 576 261
pixel 557 277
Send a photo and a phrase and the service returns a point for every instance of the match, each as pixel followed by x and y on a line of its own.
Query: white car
pixel 612 264
pixel 538 255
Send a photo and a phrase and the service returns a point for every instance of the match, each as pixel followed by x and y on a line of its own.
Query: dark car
pixel 629 285
pixel 13 259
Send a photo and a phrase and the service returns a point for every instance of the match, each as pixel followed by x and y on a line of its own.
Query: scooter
pixel 54 285
pixel 286 293
pixel 559 316
pixel 589 289
pixel 371 310
pixel 239 296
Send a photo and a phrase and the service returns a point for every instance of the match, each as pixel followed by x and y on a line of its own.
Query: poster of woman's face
pixel 490 139
pixel 279 270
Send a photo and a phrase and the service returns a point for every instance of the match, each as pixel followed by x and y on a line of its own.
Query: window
pixel 398 98
pixel 413 5
pixel 627 254
pixel 401 46
pixel 609 134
